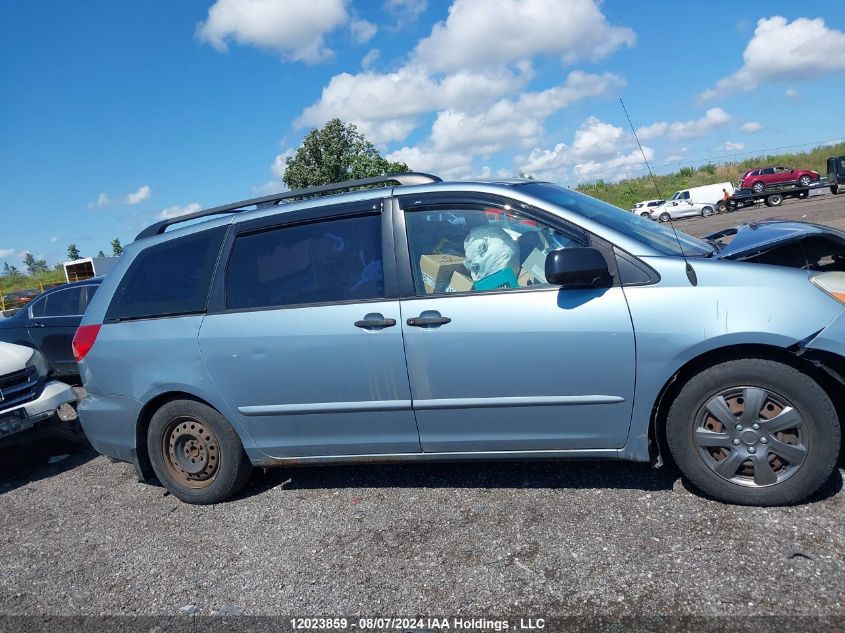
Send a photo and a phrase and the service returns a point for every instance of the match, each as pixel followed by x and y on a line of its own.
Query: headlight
pixel 42 367
pixel 832 283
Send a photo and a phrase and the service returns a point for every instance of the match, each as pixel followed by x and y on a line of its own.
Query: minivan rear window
pixel 168 279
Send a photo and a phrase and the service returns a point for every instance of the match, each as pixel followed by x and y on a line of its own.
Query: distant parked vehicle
pixel 836 174
pixel 49 322
pixel 19 298
pixel 758 179
pixel 644 208
pixel 675 209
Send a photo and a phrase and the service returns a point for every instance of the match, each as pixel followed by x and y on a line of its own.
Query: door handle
pixel 38 324
pixel 422 321
pixel 373 321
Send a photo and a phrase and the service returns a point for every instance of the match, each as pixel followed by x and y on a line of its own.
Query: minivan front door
pixel 307 347
pixel 498 359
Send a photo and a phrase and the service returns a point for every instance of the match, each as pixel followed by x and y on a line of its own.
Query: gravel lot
pixel 82 537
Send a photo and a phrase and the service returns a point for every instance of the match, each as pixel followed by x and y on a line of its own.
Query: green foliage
pixel 116 247
pixel 101 254
pixel 73 252
pixel 35 266
pixel 625 193
pixel 10 271
pixel 335 153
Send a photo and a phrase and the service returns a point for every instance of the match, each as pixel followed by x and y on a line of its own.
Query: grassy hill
pixel 625 193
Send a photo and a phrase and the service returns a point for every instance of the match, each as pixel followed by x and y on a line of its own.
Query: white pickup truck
pixel 30 401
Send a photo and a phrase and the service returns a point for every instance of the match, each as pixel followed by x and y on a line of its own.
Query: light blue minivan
pixel 430 320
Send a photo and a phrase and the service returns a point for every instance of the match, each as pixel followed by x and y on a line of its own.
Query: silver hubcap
pixel 750 436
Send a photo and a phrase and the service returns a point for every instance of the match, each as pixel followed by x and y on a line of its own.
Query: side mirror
pixel 578 268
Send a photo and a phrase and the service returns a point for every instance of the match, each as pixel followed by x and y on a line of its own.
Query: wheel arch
pixel 143 424
pixel 827 369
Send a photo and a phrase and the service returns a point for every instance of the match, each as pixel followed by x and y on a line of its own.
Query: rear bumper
pixel 109 424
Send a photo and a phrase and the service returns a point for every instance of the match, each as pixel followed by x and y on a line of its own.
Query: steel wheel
pixel 191 452
pixel 750 436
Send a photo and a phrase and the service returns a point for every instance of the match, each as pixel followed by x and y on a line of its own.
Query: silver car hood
pixel 13 357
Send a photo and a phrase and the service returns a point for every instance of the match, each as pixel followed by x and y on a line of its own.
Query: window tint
pixel 64 303
pixel 318 262
pixel 768 171
pixel 495 248
pixel 37 307
pixel 170 278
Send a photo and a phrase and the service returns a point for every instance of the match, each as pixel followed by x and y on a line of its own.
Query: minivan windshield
pixel 658 237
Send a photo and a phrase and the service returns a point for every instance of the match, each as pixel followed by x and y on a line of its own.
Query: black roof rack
pixel 408 178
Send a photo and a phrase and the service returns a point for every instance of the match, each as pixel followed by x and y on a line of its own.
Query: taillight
pixel 84 340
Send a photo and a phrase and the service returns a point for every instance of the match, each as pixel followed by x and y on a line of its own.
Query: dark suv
pixel 49 322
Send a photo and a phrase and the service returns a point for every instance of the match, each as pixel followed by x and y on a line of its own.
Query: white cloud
pixel 488 33
pixel 792 94
pixel 751 127
pixel 730 146
pixel 370 58
pixel 511 122
pixel 362 31
pixel 598 149
pixel 175 211
pixel 712 119
pixel 54 240
pixel 785 51
pixel 136 197
pixel 294 28
pixel 103 200
pixel 7 252
pixel 448 165
pixel 405 11
pixel 386 107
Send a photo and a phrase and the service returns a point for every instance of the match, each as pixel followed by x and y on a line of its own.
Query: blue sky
pixel 117 112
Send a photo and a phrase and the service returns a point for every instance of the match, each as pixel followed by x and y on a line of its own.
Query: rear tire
pixel 786 458
pixel 758 187
pixel 774 200
pixel 645 214
pixel 195 453
pixel 834 189
pixel 665 217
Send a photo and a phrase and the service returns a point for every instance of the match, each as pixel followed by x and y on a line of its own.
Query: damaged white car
pixel 31 405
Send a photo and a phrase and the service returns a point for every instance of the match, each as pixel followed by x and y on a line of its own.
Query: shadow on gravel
pixel 503 474
pixel 23 465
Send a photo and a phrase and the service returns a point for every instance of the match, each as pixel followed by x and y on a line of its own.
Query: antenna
pixel 690 271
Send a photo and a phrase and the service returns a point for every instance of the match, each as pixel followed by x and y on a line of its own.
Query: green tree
pixel 10 271
pixel 116 247
pixel 73 252
pixel 29 262
pixel 101 254
pixel 334 153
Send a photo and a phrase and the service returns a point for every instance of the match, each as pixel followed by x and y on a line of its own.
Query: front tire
pixel 834 189
pixel 195 453
pixel 754 432
pixel 707 211
pixel 805 181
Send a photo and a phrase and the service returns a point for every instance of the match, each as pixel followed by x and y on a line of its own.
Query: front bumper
pixel 39 411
